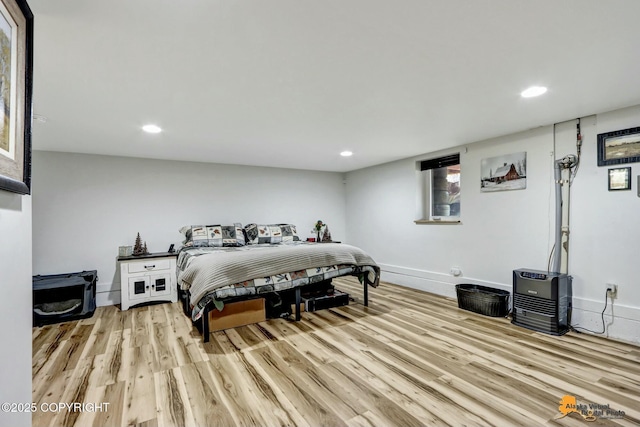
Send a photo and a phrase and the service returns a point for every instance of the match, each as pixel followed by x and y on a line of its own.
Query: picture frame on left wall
pixel 16 94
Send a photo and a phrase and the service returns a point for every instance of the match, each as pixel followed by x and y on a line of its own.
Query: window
pixel 440 188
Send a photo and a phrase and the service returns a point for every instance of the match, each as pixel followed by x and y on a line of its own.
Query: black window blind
pixel 440 162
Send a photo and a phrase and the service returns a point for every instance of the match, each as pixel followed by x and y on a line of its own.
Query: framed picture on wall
pixel 620 179
pixel 619 147
pixel 506 172
pixel 16 83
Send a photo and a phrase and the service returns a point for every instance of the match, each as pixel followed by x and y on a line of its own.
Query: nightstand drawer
pixel 149 265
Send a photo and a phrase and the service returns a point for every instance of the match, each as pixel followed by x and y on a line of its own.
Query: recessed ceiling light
pixel 346 153
pixel 151 129
pixel 533 91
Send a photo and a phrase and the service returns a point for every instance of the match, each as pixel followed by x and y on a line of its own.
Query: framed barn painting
pixel 507 172
pixel 16 83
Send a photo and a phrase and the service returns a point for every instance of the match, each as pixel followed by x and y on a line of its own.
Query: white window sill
pixel 436 221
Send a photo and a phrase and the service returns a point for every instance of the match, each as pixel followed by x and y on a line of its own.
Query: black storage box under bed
pixel 334 298
pixel 483 300
pixel 62 297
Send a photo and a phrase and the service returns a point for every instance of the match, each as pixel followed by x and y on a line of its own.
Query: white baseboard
pixel 107 294
pixel 107 287
pixel 107 298
pixel 622 322
pixel 430 281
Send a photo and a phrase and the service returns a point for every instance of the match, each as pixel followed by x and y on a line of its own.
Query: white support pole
pixel 566 197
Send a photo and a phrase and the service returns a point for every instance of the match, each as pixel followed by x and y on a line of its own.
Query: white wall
pixel 85 206
pixel 490 236
pixel 502 231
pixel 15 305
pixel 605 233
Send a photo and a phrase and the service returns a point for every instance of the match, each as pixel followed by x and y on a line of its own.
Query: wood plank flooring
pixel 409 359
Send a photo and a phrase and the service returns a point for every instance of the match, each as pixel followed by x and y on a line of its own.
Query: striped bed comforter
pixel 216 274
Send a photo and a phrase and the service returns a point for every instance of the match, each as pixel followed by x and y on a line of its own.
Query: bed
pixel 221 264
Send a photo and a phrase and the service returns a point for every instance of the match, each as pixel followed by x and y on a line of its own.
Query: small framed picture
pixel 619 179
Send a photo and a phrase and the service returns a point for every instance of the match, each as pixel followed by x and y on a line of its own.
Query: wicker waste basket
pixel 483 300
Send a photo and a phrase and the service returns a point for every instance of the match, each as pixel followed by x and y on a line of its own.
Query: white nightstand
pixel 147 278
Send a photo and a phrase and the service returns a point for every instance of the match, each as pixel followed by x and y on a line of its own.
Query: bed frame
pixel 203 324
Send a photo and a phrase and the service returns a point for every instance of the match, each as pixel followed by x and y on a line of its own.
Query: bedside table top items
pixel 154 255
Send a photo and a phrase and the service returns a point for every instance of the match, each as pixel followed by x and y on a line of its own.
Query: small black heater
pixel 542 301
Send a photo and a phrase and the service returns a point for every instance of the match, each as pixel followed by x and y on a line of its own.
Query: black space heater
pixel 542 301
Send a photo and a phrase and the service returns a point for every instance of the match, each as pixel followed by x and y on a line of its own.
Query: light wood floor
pixel 409 359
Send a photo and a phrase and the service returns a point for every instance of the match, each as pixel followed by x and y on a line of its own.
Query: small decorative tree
pixel 137 248
pixel 145 251
pixel 326 237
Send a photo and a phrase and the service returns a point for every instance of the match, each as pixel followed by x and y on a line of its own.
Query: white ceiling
pixel 291 83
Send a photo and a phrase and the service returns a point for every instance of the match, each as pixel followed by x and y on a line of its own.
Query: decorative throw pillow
pixel 260 233
pixel 214 235
pixel 289 233
pixel 233 235
pixel 270 233
pixel 186 231
pixel 251 233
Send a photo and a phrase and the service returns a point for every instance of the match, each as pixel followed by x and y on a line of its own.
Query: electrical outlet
pixel 612 290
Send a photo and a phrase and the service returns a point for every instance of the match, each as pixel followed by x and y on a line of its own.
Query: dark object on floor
pixel 483 300
pixel 63 297
pixel 334 298
pixel 282 303
pixel 278 304
pixel 542 301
